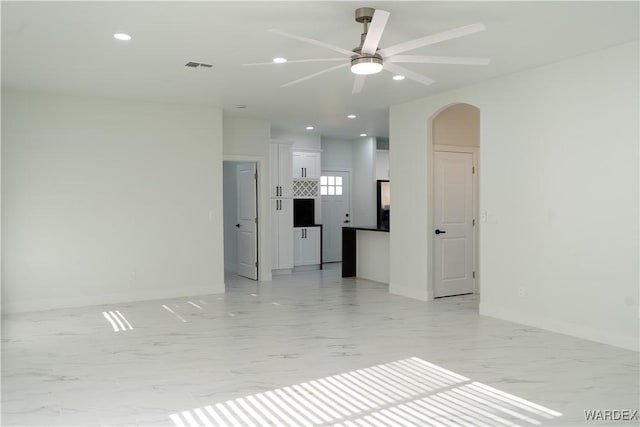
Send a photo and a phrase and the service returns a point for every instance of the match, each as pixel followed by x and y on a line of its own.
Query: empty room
pixel 297 213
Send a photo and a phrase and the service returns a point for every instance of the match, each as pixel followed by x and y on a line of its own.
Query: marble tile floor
pixel 310 348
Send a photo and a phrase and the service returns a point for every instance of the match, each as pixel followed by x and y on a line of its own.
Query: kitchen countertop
pixel 367 228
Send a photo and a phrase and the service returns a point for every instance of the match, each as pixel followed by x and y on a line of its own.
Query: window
pixel 330 185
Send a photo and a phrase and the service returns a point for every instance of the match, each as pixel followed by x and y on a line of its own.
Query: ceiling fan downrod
pixel 364 15
pixel 364 63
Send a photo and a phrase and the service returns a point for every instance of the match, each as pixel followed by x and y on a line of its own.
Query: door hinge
pixel 473 169
pixel 256 263
pixel 474 274
pixel 256 219
pixel 255 176
pixel 474 222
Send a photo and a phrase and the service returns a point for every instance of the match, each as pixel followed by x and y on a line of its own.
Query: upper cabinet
pixel 306 164
pixel 281 179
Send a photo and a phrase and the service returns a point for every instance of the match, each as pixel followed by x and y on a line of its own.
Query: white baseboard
pixel 90 300
pixel 614 338
pixel 419 294
pixel 306 267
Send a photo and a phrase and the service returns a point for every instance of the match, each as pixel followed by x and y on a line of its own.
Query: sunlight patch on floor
pixel 406 392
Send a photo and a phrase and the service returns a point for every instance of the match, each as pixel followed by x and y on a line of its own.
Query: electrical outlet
pixel 483 216
pixel 132 275
pixel 521 292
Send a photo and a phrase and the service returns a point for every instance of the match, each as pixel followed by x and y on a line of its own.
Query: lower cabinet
pixel 306 245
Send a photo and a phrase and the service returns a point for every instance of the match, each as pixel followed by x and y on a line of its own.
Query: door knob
pixel 238 225
pixel 440 231
pixel 347 221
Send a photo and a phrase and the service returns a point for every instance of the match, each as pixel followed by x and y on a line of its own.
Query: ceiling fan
pixel 367 58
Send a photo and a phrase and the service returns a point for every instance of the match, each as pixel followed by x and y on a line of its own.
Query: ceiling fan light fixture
pixel 398 77
pixel 366 65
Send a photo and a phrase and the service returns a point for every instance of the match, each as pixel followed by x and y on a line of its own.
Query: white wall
pixel 559 182
pixel 363 182
pixel 108 201
pixel 248 140
pixel 309 140
pixel 336 154
pixel 230 202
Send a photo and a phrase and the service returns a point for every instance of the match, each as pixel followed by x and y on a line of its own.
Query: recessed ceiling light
pixel 309 128
pixel 398 77
pixel 279 60
pixel 363 134
pixel 351 116
pixel 122 36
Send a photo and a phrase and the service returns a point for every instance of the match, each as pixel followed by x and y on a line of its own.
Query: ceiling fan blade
pixel 358 83
pixel 314 42
pixel 432 39
pixel 438 60
pixel 295 61
pixel 316 74
pixel 374 33
pixel 408 73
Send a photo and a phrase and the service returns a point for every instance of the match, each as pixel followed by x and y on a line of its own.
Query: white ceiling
pixel 68 47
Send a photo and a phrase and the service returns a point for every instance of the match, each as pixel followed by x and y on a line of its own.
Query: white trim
pixel 335 170
pixel 248 158
pixel 263 208
pixel 110 299
pixel 282 141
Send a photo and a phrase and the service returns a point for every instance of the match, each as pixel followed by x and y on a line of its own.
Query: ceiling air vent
pixel 197 64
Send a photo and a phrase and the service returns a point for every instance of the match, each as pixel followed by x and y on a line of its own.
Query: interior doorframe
pixel 475 152
pixel 343 170
pixel 263 209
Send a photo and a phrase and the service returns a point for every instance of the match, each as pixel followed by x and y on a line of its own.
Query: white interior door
pixel 336 212
pixel 453 223
pixel 247 221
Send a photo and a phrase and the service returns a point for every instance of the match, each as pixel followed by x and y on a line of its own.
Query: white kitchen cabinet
pixel 281 170
pixel 281 207
pixel 281 234
pixel 306 246
pixel 306 164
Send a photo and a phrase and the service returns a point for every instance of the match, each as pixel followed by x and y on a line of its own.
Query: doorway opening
pixel 455 138
pixel 240 223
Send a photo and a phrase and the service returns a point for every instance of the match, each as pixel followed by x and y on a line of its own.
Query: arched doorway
pixel 455 144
